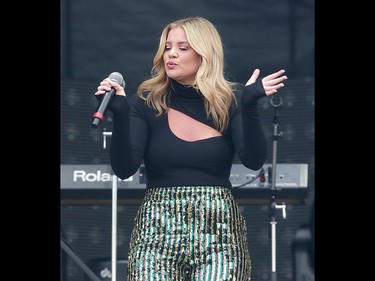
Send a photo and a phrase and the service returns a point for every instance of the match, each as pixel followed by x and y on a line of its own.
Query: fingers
pixel 274 78
pixel 253 77
pixel 273 82
pixel 103 87
pixel 107 84
pixel 275 75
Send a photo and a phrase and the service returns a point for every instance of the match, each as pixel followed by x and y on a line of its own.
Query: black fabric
pixel 139 135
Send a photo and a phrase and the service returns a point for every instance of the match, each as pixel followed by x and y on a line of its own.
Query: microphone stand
pixel 114 227
pixel 273 206
pixel 114 215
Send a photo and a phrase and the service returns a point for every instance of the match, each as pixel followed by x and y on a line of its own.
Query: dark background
pixel 99 37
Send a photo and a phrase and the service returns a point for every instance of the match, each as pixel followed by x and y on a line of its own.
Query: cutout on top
pixel 189 129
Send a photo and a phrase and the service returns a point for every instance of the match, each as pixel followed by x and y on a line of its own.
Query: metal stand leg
pixel 81 264
pixel 114 215
pixel 273 222
pixel 114 227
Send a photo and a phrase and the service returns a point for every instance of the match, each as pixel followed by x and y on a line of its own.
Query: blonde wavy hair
pixel 204 38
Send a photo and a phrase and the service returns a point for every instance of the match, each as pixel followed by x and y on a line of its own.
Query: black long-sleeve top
pixel 138 134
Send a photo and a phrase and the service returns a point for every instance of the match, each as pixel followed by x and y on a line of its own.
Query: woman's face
pixel 180 60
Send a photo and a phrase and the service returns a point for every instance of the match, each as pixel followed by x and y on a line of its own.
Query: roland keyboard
pixel 92 184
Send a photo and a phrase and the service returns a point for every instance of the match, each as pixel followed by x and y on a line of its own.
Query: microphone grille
pixel 117 77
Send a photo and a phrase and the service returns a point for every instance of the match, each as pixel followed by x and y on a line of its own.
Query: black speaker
pixel 102 268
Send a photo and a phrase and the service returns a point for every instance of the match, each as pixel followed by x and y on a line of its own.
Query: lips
pixel 171 64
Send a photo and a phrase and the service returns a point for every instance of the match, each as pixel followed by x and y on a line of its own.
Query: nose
pixel 173 53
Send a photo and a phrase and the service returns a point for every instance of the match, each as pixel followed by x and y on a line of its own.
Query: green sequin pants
pixel 189 233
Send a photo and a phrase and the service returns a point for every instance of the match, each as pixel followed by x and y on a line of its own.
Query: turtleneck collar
pixel 190 102
pixel 185 91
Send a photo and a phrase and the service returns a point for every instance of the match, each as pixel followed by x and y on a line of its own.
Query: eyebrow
pixel 181 42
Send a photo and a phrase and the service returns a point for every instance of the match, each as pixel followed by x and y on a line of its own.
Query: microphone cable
pixel 261 173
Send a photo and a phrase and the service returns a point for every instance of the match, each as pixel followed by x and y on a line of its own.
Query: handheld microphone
pixel 98 116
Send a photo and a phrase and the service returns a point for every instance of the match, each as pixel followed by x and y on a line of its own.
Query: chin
pixel 174 77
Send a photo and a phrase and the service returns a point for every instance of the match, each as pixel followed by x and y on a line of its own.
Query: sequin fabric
pixel 189 233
